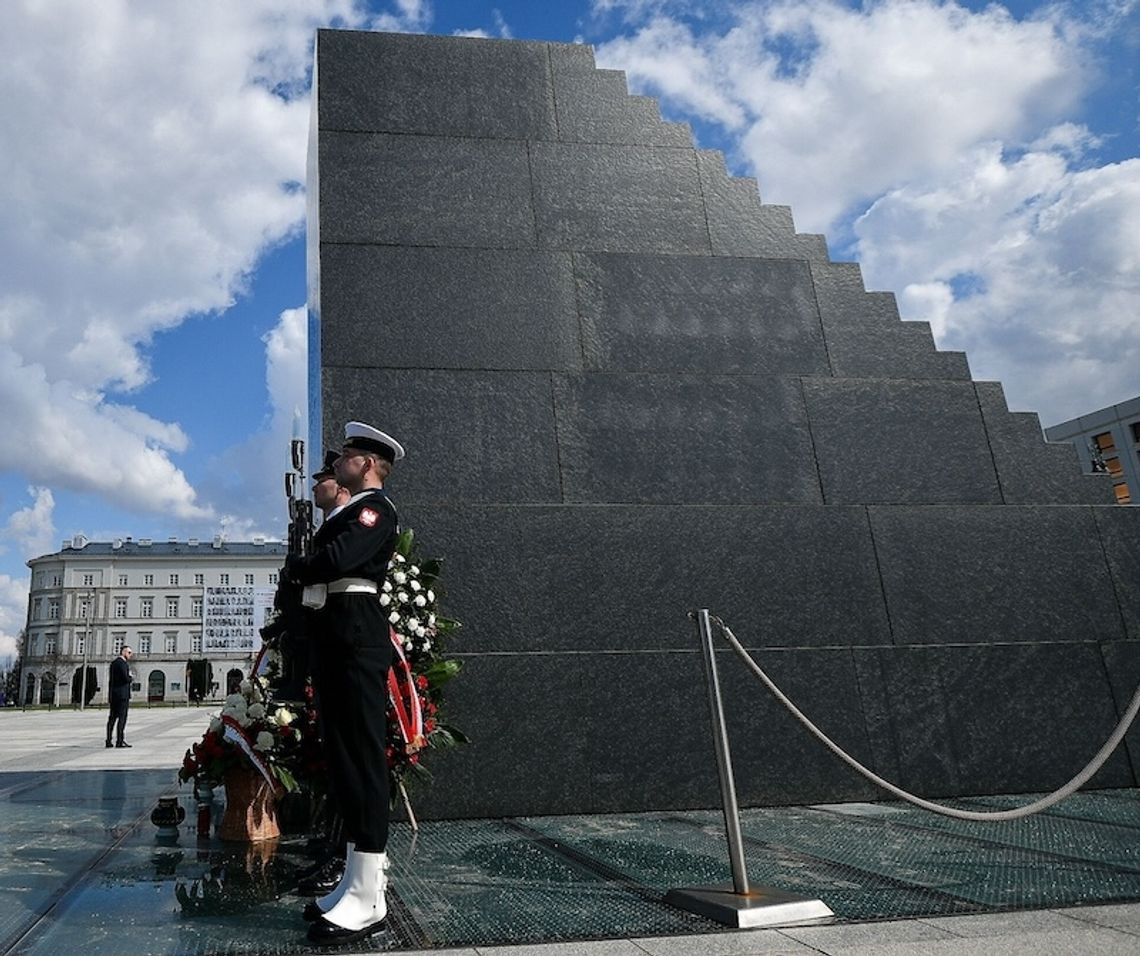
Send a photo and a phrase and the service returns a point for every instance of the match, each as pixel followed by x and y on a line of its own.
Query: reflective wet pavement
pixel 81 872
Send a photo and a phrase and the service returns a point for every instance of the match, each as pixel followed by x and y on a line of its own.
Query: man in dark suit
pixel 354 652
pixel 120 696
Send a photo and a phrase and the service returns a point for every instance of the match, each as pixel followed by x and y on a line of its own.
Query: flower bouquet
pixel 416 721
pixel 249 748
pixel 251 731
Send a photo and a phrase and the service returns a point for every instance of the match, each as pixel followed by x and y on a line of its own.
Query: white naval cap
pixel 366 438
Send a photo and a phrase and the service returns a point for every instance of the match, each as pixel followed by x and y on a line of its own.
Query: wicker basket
pixel 251 807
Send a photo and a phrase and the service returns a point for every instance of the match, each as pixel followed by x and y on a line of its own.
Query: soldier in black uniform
pixel 354 652
pixel 329 497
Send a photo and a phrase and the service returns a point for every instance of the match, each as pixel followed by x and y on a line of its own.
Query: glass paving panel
pixel 954 857
pixel 80 863
pixel 689 849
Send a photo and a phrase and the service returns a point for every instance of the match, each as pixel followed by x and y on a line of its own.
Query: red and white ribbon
pixel 409 713
pixel 235 733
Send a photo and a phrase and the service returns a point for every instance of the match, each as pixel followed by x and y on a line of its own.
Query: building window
pixel 81 644
pixel 172 607
pixel 224 578
pixel 34 646
pixel 147 607
pixel 120 607
pixel 144 644
pixel 50 644
pixel 199 579
pixel 53 609
pixel 249 579
pixel 148 580
pixel 195 642
pixel 174 580
pixel 37 609
pixel 272 577
pixel 117 642
pixel 171 642
pixel 84 609
pixel 88 580
pixel 122 580
pixel 196 607
pixel 55 580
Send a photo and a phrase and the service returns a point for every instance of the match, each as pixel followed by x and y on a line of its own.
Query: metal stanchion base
pixel 762 906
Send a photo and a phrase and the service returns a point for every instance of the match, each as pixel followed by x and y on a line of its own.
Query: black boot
pixel 321 879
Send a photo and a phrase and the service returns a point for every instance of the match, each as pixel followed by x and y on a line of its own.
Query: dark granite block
pixel 739 225
pixel 619 198
pixel 683 438
pixel 902 350
pixel 1119 531
pixel 1031 471
pixel 647 735
pixel 698 314
pixel 1122 664
pixel 526 717
pixel 904 442
pixel 589 578
pixel 428 191
pixel 1008 574
pixel 866 339
pixel 594 107
pixel 777 760
pixel 999 719
pixel 651 744
pixel 448 308
pixel 431 85
pixel 874 677
pixel 470 436
pixel 841 296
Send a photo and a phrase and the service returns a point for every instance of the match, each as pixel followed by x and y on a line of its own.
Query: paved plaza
pixel 81 870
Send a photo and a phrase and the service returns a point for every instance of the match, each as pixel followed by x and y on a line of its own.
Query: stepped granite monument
pixel 628 389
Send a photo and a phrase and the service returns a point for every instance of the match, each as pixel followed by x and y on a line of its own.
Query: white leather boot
pixel 361 909
pixel 323 904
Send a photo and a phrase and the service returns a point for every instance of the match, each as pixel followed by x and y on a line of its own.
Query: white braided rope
pixel 987 816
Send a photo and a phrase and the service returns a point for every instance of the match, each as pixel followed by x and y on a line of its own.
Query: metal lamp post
pixel 86 640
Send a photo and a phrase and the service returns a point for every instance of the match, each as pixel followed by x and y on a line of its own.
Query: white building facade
pixel 190 610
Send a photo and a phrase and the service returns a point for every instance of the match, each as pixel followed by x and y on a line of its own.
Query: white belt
pixel 353 586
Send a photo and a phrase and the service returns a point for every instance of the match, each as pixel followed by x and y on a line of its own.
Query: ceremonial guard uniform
pixel 353 654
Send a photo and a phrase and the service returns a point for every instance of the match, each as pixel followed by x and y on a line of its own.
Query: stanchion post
pixel 723 758
pixel 741 905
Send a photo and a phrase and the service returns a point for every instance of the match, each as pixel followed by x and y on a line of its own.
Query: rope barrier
pixel 987 816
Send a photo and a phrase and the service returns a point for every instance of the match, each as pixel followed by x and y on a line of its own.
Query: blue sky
pixel 982 161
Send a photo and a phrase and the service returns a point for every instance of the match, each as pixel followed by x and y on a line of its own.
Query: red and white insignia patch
pixel 368 517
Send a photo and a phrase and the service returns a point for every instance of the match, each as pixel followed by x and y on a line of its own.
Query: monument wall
pixel 628 389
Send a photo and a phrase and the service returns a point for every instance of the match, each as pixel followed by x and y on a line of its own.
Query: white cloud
pixel 1048 257
pixel 155 151
pixel 13 614
pixel 32 527
pixel 410 16
pixel 666 58
pixel 835 105
pixel 502 29
pixel 946 146
pixel 248 477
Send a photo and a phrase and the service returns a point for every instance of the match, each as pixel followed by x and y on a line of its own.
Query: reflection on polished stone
pixel 238 879
pixel 81 866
